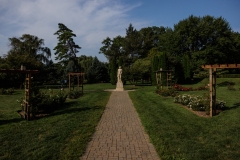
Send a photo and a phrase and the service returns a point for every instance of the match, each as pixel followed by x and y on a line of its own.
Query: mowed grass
pixel 63 134
pixel 176 132
pixel 179 134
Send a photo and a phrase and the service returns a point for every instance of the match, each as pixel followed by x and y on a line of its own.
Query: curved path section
pixel 120 134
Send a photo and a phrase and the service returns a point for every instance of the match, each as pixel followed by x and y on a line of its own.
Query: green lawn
pixel 176 132
pixel 61 135
pixel 179 134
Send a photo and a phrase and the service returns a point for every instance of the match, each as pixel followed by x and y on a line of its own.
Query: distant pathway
pixel 120 134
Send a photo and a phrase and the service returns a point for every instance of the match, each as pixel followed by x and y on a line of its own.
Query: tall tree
pixel 97 72
pixel 206 40
pixel 132 45
pixel 66 49
pixel 85 62
pixel 150 38
pixel 113 50
pixel 27 50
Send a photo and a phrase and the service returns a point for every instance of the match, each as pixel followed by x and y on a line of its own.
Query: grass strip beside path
pixel 63 134
pixel 179 134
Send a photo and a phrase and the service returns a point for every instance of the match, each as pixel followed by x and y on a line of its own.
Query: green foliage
pixel 192 42
pixel 85 62
pixel 63 134
pixel 186 67
pixel 75 94
pixel 71 67
pixel 142 68
pixel 8 91
pixel 66 48
pixel 166 92
pixel 46 101
pixel 159 61
pixel 154 67
pixel 177 133
pixel 195 103
pixel 27 50
pixel 205 40
pixel 113 71
pixel 97 72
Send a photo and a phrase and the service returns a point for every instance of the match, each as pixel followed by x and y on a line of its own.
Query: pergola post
pixel 168 77
pixel 26 102
pixel 27 96
pixel 212 90
pixel 212 82
pixel 79 80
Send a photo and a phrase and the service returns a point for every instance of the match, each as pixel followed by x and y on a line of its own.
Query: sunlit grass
pixel 63 134
pixel 177 133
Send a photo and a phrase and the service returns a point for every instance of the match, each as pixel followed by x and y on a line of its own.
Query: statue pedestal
pixel 119 86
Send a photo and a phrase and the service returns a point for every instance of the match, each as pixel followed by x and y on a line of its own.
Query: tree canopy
pixel 192 42
pixel 66 49
pixel 27 50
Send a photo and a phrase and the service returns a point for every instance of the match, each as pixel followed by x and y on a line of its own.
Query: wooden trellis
pixel 168 78
pixel 27 98
pixel 212 83
pixel 80 79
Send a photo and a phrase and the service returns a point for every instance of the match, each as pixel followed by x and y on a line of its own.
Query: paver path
pixel 120 134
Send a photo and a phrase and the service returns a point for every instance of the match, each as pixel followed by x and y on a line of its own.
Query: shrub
pixel 8 91
pixel 197 103
pixel 167 92
pixel 181 88
pixel 46 101
pixel 74 94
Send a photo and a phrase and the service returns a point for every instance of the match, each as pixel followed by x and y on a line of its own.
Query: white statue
pixel 119 74
pixel 119 86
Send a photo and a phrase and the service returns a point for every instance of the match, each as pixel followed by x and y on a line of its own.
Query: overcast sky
pixel 94 20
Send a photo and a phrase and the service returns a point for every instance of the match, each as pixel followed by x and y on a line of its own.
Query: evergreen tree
pixel 97 72
pixel 66 49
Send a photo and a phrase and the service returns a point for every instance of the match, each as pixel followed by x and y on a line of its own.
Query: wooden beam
pixel 221 66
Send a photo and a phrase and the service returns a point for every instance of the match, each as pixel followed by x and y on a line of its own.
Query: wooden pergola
pixel 26 105
pixel 168 77
pixel 80 78
pixel 212 82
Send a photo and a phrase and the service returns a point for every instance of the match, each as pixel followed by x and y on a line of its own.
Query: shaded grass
pixel 104 86
pixel 179 134
pixel 63 134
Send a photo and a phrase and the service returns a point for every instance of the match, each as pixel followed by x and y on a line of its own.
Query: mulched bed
pixel 201 113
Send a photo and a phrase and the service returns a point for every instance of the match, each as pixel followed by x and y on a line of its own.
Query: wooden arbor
pixel 80 78
pixel 168 77
pixel 27 98
pixel 212 82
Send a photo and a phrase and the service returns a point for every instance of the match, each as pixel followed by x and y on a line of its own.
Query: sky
pixel 94 20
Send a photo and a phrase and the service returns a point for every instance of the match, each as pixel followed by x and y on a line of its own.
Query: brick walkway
pixel 120 134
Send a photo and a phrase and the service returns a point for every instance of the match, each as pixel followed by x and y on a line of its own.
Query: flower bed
pixel 197 103
pixel 178 87
pixel 44 101
pixel 166 92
